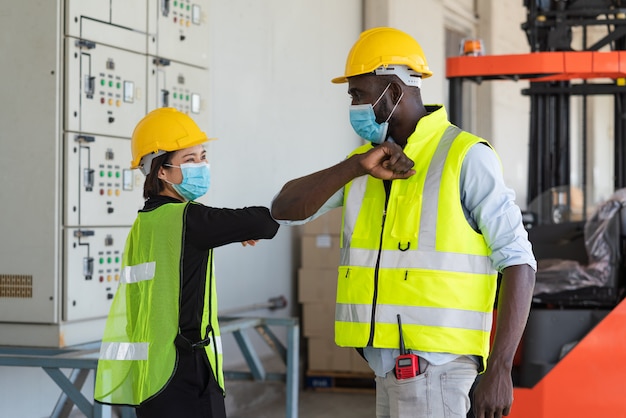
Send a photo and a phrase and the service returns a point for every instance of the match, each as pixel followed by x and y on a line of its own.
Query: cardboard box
pixel 324 355
pixel 328 223
pixel 318 320
pixel 320 251
pixel 317 285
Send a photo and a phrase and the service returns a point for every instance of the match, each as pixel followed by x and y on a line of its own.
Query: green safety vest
pixel 418 257
pixel 138 356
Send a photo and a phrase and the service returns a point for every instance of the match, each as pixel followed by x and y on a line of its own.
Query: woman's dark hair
pixel 153 186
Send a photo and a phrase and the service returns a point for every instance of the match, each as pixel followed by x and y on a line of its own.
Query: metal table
pixel 84 358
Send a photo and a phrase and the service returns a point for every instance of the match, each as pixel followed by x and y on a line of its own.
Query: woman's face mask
pixel 363 120
pixel 196 180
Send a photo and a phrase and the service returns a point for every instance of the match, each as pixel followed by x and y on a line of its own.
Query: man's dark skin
pixel 302 197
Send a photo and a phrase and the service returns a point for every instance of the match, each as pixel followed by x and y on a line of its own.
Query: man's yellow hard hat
pixel 382 47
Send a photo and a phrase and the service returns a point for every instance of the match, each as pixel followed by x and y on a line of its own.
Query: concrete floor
pixel 246 399
pixel 267 400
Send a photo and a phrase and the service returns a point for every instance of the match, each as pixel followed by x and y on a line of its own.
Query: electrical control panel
pixel 179 30
pixel 100 187
pixel 93 260
pixel 105 88
pixel 184 87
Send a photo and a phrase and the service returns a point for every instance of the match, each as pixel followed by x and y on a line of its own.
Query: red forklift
pixel 572 358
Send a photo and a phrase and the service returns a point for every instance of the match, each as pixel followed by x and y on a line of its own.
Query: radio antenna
pixel 402 350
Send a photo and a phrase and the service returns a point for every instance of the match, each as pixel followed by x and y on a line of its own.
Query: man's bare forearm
pixel 302 197
pixel 516 291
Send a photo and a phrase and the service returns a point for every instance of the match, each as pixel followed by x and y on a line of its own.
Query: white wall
pixel 277 117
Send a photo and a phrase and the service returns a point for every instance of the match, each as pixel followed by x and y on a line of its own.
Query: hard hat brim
pixel 339 80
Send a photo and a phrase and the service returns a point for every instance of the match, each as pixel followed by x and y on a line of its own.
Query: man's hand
pixel 387 162
pixel 493 395
pixel 251 242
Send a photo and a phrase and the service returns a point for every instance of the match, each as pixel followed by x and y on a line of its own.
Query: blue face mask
pixel 363 120
pixel 196 180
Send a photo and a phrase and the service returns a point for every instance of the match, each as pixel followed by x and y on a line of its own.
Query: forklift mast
pixel 556 72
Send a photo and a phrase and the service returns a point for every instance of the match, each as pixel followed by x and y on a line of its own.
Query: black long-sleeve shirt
pixel 205 228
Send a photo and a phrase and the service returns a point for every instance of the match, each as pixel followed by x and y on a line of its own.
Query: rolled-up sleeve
pixel 490 208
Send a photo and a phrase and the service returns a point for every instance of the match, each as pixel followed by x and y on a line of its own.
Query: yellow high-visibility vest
pixel 138 356
pixel 415 255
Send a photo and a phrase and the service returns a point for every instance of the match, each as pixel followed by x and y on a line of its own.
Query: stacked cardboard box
pixel 317 290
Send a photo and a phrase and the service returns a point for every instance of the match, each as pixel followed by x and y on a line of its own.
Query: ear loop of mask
pixel 394 107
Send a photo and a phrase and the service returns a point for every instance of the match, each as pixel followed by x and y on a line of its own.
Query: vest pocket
pixel 404 216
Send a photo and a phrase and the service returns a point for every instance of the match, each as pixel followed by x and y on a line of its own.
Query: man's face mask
pixel 196 180
pixel 363 120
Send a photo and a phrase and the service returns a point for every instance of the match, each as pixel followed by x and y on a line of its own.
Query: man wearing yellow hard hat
pixel 162 351
pixel 427 225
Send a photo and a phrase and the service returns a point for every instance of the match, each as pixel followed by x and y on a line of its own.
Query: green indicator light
pixel 101 260
pixel 102 82
pixel 117 259
pixel 110 174
pixel 117 174
pixel 187 7
pixel 175 3
pixel 187 97
pixel 175 95
pixel 101 173
pixel 182 6
pixel 119 85
pixel 109 260
pixel 110 84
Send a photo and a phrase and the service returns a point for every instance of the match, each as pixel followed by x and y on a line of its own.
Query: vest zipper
pixel 370 342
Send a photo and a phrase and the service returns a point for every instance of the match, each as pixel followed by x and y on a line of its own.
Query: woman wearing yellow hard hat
pixel 161 351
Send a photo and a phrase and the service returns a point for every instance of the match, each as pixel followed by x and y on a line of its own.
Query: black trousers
pixel 192 392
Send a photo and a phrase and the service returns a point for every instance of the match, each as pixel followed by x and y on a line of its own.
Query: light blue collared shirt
pixel 490 208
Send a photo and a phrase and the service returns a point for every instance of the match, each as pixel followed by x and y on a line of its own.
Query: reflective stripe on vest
pixel 461 263
pixel 124 351
pixel 137 351
pixel 217 341
pixel 415 315
pixel 134 274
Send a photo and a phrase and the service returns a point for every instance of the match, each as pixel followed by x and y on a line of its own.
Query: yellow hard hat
pixel 381 47
pixel 162 130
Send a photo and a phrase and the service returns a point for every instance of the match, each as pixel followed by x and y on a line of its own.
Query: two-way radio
pixel 407 364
